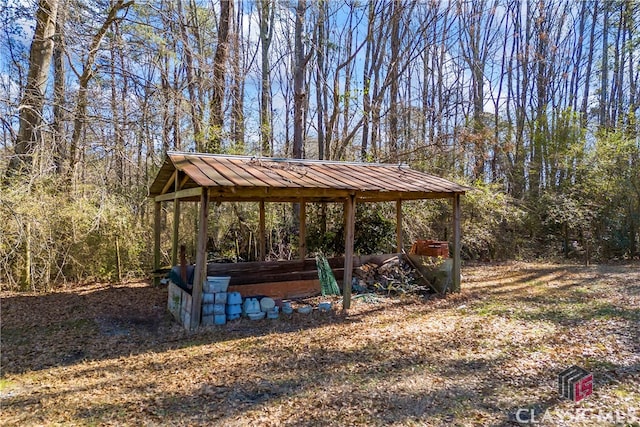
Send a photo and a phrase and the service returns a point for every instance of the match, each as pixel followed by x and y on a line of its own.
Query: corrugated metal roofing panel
pixel 242 173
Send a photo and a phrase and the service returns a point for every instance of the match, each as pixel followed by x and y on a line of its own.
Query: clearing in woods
pixel 105 354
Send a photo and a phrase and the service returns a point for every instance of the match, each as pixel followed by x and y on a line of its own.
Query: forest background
pixel 534 103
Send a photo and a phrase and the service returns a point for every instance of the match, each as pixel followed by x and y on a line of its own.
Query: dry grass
pixel 110 355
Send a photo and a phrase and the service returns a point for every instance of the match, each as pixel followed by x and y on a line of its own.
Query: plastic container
pixel 208 298
pixel 219 319
pixel 217 284
pixel 305 309
pixel 233 309
pixel 207 309
pixel 286 307
pixel 231 317
pixel 221 298
pixel 208 320
pixel 433 248
pixel 219 308
pixel 267 304
pixel 273 313
pixel 250 305
pixel 324 306
pixel 234 298
pixel 256 316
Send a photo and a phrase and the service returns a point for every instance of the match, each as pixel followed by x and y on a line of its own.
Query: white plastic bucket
pixel 217 284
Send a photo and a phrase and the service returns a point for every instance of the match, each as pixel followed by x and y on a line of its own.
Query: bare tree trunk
pixel 118 105
pixel 219 72
pixel 321 76
pixel 366 83
pixel 266 12
pixel 300 94
pixel 578 43
pixel 394 77
pixel 604 71
pixel 83 81
pixel 237 90
pixel 193 82
pixel 32 101
pixel 349 57
pixel 634 73
pixel 165 101
pixel 59 89
pixel 587 84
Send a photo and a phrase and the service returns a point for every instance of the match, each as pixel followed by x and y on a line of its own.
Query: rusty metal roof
pixel 255 178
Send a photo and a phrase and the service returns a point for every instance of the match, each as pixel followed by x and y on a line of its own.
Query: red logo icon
pixel 575 383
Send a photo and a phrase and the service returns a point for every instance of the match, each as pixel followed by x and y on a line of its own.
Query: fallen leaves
pixel 111 355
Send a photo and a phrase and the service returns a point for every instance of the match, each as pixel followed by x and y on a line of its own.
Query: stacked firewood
pixel 395 276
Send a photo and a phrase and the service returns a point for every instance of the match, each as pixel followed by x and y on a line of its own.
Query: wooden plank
pixel 284 276
pixel 375 259
pixel 259 267
pixel 182 194
pixel 170 182
pixel 348 251
pixel 278 271
pixel 201 260
pixel 229 269
pixel 157 211
pixel 456 244
pixel 289 289
pixel 262 237
pixel 183 181
pixel 279 194
pixel 399 226
pixel 372 196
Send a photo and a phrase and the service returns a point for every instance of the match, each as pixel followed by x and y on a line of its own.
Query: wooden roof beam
pixel 181 194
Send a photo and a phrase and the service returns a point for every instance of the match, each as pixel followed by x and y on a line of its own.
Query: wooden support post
pixel 201 260
pixel 157 211
pixel 303 229
pixel 176 222
pixel 349 225
pixel 174 236
pixel 261 238
pixel 456 244
pixel 399 226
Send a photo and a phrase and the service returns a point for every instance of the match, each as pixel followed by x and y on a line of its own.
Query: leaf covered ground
pixel 111 355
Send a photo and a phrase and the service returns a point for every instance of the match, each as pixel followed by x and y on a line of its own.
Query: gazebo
pixel 206 178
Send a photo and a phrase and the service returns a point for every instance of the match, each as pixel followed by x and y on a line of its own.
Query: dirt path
pixel 111 355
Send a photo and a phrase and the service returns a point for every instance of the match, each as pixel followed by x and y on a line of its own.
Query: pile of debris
pixel 394 277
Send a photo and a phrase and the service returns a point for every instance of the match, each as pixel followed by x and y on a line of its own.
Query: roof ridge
pixel 287 159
